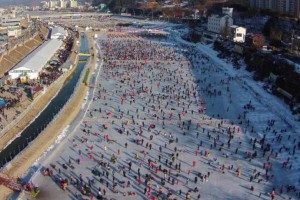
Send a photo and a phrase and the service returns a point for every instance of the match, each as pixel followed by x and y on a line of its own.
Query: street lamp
pixel 196 11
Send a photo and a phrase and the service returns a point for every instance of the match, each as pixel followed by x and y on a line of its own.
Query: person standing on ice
pixel 273 194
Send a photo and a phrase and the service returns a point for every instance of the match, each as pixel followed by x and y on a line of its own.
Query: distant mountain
pixel 6 3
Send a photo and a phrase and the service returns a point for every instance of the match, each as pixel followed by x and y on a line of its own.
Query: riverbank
pixel 36 106
pixel 24 161
pixel 14 95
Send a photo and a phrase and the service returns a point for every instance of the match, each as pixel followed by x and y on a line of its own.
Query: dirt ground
pixel 21 164
pixel 12 112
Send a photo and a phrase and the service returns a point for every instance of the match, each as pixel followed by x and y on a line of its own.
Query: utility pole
pixel 152 13
pixel 196 11
pixel 293 32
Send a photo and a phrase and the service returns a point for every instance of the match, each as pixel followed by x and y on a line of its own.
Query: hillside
pixel 170 8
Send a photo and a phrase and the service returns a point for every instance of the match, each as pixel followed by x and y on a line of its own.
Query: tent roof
pixel 58 30
pixel 39 58
pixel 23 68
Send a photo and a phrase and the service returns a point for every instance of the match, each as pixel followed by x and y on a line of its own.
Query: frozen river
pixel 168 119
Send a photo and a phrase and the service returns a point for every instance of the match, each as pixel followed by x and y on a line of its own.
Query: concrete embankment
pixel 25 160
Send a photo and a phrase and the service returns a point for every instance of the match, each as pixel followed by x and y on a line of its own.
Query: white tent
pixel 58 33
pixel 34 63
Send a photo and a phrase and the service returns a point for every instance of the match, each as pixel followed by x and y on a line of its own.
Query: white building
pixel 227 11
pixel 53 4
pixel 45 4
pixel 14 32
pixel 58 33
pixel 219 23
pixel 33 64
pixel 63 4
pixel 238 33
pixel 73 4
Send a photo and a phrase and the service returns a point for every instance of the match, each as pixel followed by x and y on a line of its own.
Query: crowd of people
pixel 165 123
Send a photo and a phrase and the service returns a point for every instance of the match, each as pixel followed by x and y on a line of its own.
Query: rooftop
pixel 38 59
pixel 58 30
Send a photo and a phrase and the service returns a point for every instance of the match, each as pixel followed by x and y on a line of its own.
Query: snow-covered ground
pixel 188 93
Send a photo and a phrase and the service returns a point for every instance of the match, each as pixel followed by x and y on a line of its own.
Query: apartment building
pixel 238 33
pixel 298 9
pixel 63 4
pixel 218 23
pixel 264 4
pixel 289 7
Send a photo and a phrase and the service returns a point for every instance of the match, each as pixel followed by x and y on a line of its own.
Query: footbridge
pixel 85 54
